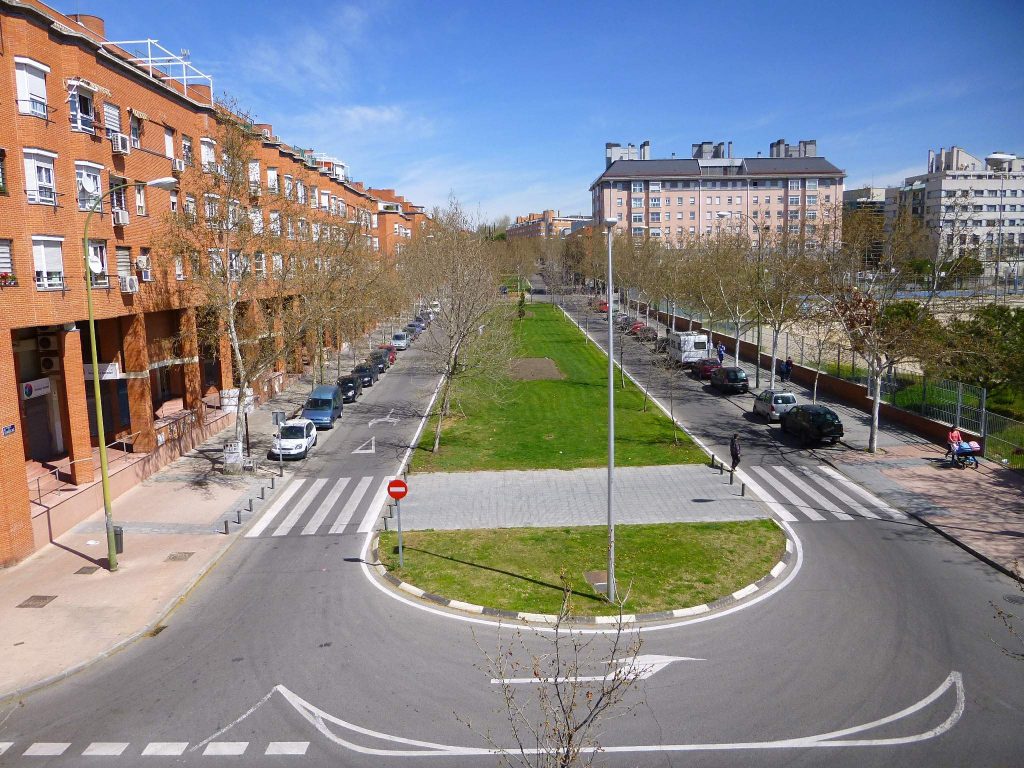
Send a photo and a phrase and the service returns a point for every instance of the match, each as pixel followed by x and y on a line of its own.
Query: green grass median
pixel 552 412
pixel 663 567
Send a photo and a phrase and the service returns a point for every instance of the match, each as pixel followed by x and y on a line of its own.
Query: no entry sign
pixel 397 489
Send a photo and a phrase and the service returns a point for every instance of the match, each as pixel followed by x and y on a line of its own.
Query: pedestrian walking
pixel 787 369
pixel 721 353
pixel 734 450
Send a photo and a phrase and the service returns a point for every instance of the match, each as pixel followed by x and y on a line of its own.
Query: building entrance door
pixel 37 427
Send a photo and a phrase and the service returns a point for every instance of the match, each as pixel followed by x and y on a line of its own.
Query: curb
pixel 545 618
pixel 169 607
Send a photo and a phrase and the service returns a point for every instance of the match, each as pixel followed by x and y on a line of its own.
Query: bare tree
pixel 557 699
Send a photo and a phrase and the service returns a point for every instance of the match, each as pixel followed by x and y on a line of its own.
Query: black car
pixel 812 423
pixel 730 379
pixel 380 359
pixel 367 373
pixel 413 330
pixel 351 387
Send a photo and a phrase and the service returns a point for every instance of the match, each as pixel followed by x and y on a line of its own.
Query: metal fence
pixel 1004 440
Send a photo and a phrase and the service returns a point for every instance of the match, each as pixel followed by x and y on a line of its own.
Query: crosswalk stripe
pixel 165 748
pixel 268 516
pixel 47 748
pixel 287 748
pixel 811 495
pixel 876 502
pixel 777 508
pixel 778 486
pixel 370 518
pixel 5 745
pixel 300 507
pixel 233 748
pixel 854 505
pixel 106 748
pixel 325 507
pixel 350 506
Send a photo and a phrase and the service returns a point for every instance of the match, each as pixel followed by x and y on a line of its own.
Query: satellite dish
pixel 95 263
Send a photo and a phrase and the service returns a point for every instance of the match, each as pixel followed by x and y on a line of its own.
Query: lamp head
pixel 610 223
pixel 167 182
pixel 723 214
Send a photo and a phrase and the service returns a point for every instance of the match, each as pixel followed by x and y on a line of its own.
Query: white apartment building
pixel 791 190
pixel 971 202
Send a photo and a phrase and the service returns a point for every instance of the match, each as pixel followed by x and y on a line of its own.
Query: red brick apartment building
pixel 79 116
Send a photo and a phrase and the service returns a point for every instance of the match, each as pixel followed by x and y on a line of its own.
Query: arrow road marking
pixel 372 442
pixel 645 665
pixel 389 419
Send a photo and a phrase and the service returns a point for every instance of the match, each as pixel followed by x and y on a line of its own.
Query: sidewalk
pixel 63 609
pixel 981 510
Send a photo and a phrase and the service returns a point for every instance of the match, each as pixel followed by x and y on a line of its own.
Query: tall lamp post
pixel 609 226
pixel 757 228
pixel 1002 158
pixel 97 266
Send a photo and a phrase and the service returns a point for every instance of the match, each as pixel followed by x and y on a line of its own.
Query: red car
pixel 636 327
pixel 602 306
pixel 703 369
pixel 392 352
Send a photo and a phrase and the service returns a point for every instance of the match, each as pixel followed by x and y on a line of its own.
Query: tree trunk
pixel 775 356
pixel 622 373
pixel 736 346
pixel 876 400
pixel 440 416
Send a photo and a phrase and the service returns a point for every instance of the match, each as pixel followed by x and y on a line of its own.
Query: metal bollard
pixel 238 516
pixel 250 505
pixel 743 489
pixel 263 490
pixel 272 482
pixel 732 474
pixel 225 527
pixel 721 468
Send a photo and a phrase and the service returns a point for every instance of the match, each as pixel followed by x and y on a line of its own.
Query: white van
pixel 687 347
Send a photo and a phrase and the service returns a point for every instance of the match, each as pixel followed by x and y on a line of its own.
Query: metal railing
pixel 56 471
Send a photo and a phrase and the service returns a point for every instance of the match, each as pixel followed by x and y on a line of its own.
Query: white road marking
pixel 300 507
pixel 372 443
pixel 320 719
pixel 268 516
pixel 47 748
pixel 871 499
pixel 372 512
pixel 771 503
pixel 389 419
pixel 782 491
pixel 233 748
pixel 646 665
pixel 352 504
pixel 812 495
pixel 745 592
pixel 106 748
pixel 856 506
pixel 287 748
pixel 5 745
pixel 165 748
pixel 325 507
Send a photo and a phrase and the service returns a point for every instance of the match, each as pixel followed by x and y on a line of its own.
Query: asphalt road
pixel 878 651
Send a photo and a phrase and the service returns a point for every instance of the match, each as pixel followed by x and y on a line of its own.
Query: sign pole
pixel 401 554
pixel 396 490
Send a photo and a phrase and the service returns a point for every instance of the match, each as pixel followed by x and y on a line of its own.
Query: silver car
pixel 772 403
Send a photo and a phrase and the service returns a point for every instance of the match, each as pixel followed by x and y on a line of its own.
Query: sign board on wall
pixel 108 371
pixel 229 400
pixel 35 388
pixel 8 430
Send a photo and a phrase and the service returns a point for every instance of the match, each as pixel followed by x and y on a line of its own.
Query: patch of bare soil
pixel 535 369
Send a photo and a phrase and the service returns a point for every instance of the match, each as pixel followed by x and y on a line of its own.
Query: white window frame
pixel 169 142
pixel 31 100
pixel 273 180
pixel 123 260
pixel 794 199
pixel 47 279
pixel 7 257
pixel 35 160
pixel 637 187
pixel 655 186
pixel 812 185
pixel 99 279
pixel 208 153
pixel 179 267
pixel 794 185
pixel 111 118
pixel 84 169
pixel 135 130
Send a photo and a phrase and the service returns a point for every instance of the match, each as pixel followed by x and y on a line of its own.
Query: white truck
pixel 687 347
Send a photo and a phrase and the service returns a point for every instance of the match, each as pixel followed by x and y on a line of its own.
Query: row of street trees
pixel 877 288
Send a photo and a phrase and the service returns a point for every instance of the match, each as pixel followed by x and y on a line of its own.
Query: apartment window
pixel 39 178
pixel 325 200
pixel 812 200
pixel 49 262
pixel 259 262
pixel 256 220
pixel 618 216
pixel 300 191
pixel 655 186
pixel 693 230
pixel 779 199
pixel 655 202
pixel 707 201
pixel 637 202
pixel 278 261
pixel 638 218
pixel 111 119
pixel 794 199
pixel 314 196
pixel 811 215
pixel 753 199
pixel 376 243
pixel 123 259
pixel 275 223
pixel 794 184
pixel 638 231
pixel 190 207
pixel 168 142
pixel 30 77
pixel 254 175
pixel 778 214
pixel 655 233
pixel 619 202
pixel 728 201
pixel 140 199
pixel 210 206
pixel 693 201
pixel 208 153
pixel 179 268
pixel 3 172
pixel 718 200
pixel 794 215
pixel 679 201
pixel 216 259
pixel 174 201
pixel 656 217
pixel 794 229
pixel 135 129
pixel 118 194
pixel 98 252
pixel 638 186
pixel 812 185
pixel 679 215
pixel 810 229
pixel 186 150
pixel 273 184
pixel 693 215
pixel 288 187
pixel 707 215
pixel 89 186
pixel 828 198
pixel 6 263
pixel 753 214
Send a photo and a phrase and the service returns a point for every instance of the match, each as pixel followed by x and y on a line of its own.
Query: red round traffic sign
pixel 397 489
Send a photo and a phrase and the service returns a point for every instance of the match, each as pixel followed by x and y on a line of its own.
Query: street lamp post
pixel 1002 158
pixel 757 228
pixel 163 183
pixel 609 225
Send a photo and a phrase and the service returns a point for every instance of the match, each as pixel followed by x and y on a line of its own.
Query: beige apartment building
pixel 672 199
pixel 547 224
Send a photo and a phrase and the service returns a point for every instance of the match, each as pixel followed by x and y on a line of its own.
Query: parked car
pixel 367 373
pixel 602 306
pixel 418 324
pixel 351 387
pixel 772 404
pixel 812 423
pixel 435 306
pixel 297 436
pixel 413 331
pixel 323 406
pixel 730 379
pixel 647 334
pixel 703 368
pixel 400 339
pixel 379 359
pixel 636 327
pixel 392 351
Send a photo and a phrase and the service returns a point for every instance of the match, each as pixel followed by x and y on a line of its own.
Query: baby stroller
pixel 964 454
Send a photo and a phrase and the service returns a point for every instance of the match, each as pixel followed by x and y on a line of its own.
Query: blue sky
pixel 507 106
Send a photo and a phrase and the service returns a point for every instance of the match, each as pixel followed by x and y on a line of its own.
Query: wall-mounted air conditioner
pixel 129 284
pixel 49 364
pixel 120 217
pixel 120 143
pixel 177 166
pixel 47 343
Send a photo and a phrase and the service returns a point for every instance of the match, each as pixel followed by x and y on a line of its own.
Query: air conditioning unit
pixel 120 217
pixel 177 166
pixel 49 364
pixel 121 144
pixel 47 343
pixel 129 284
pixel 146 276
